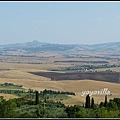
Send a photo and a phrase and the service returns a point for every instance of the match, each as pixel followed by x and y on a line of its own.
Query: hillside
pixel 35 47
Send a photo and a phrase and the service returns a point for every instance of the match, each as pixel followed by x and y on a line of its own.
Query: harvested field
pixel 99 76
pixel 76 86
pixel 16 67
pixel 8 96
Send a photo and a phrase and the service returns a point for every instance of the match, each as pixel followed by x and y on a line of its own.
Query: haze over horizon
pixel 32 41
pixel 60 22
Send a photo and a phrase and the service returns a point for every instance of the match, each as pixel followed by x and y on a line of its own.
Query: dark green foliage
pixel 23 101
pixel 10 84
pixel 50 95
pixel 117 101
pixel 55 92
pixel 54 112
pixel 105 103
pixel 71 111
pixel 80 112
pixel 101 104
pixel 87 103
pixel 85 113
pixel 92 103
pixel 7 108
pixel 37 97
pixel 38 113
pixel 112 105
pixel 103 112
pixel 12 91
pixel 47 110
pixel 26 108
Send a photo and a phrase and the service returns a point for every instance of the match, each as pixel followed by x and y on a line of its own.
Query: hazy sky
pixel 60 22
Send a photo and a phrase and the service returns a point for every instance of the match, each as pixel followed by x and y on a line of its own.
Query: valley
pixel 63 70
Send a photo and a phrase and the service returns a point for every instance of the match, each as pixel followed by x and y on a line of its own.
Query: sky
pixel 60 22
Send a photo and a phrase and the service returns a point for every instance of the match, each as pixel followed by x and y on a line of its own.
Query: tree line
pixel 35 108
pixel 56 92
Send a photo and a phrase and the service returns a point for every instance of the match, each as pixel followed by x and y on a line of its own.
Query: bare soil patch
pixel 99 76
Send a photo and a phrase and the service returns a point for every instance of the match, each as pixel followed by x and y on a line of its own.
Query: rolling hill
pixel 35 47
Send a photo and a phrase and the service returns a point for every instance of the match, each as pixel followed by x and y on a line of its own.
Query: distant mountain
pixel 20 45
pixel 35 46
pixel 107 46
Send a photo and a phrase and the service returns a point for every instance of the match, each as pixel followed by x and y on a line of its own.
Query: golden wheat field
pixel 18 73
pixel 8 96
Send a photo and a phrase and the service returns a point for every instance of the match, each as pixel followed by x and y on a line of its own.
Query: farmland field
pixel 100 76
pixel 19 70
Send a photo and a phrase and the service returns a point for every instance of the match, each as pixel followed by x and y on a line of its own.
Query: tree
pixel 101 104
pixel 105 103
pixel 38 113
pixel 37 97
pixel 104 113
pixel 85 113
pixel 111 105
pixel 87 104
pixel 7 108
pixel 117 101
pixel 92 103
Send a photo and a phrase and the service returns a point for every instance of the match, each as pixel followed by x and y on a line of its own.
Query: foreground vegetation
pixel 36 108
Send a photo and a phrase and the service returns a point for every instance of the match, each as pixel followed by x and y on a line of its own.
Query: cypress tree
pixel 87 104
pixel 92 103
pixel 105 103
pixel 37 97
